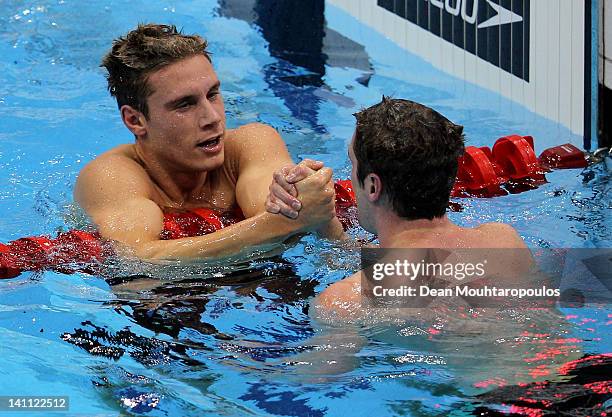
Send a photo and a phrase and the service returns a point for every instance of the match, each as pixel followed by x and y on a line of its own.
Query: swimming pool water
pixel 215 339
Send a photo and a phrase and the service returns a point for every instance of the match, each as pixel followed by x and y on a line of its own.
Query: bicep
pixel 262 151
pixel 113 193
pixel 134 222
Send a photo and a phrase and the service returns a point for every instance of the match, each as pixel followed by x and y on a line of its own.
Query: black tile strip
pixel 587 73
pixel 456 21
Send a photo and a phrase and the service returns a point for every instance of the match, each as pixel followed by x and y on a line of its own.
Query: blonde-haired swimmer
pixel 183 157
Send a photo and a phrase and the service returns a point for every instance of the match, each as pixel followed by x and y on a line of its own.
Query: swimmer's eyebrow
pixel 190 97
pixel 215 87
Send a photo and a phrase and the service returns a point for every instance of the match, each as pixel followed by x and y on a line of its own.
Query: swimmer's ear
pixel 373 187
pixel 134 120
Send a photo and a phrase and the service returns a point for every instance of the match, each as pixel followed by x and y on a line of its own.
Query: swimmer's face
pixel 363 204
pixel 186 123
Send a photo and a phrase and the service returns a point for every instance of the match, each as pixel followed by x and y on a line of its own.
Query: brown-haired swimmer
pixel 404 159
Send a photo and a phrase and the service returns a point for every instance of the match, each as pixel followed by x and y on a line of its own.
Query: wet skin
pixel 376 216
pixel 184 157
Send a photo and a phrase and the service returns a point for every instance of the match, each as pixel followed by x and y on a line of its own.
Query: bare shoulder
pixel 114 174
pixel 501 235
pixel 252 142
pixel 251 130
pixel 253 136
pixel 344 294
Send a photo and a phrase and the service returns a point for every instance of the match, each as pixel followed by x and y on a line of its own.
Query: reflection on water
pixel 255 321
pixel 584 390
pixel 297 75
pixel 239 340
pixel 178 308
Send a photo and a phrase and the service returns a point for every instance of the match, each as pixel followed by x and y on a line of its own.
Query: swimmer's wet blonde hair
pixel 143 50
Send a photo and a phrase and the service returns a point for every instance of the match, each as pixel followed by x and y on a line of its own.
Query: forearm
pixel 262 229
pixel 333 230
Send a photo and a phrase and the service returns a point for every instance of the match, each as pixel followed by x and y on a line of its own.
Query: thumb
pixel 325 174
pixel 312 164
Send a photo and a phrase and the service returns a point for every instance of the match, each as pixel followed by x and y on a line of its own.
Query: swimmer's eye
pixel 213 95
pixel 184 104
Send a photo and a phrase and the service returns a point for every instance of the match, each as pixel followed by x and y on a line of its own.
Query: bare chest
pixel 218 193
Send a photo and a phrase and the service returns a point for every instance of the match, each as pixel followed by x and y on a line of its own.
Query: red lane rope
pixel 482 172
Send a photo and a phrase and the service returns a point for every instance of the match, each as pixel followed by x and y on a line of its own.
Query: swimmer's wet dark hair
pixel 143 50
pixel 414 150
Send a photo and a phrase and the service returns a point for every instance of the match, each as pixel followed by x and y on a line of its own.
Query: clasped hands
pixel 303 193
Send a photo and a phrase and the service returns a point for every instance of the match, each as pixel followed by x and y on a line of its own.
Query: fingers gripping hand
pixel 317 195
pixel 283 193
pixel 282 197
pixel 303 170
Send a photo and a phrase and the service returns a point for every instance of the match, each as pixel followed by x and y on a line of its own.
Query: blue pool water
pixel 240 340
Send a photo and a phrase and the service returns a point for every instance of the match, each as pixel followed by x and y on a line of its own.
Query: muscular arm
pixel 257 231
pixel 117 194
pixel 262 153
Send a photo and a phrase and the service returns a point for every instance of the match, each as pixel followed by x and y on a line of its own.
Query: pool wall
pixel 535 53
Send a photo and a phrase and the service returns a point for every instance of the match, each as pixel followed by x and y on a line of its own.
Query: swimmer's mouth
pixel 210 144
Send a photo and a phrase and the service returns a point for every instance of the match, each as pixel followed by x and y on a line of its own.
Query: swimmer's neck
pixel 393 231
pixel 179 187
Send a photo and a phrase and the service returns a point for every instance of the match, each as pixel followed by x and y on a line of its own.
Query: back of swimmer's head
pixel 414 151
pixel 141 51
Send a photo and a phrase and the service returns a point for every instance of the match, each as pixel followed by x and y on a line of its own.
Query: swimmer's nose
pixel 210 116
